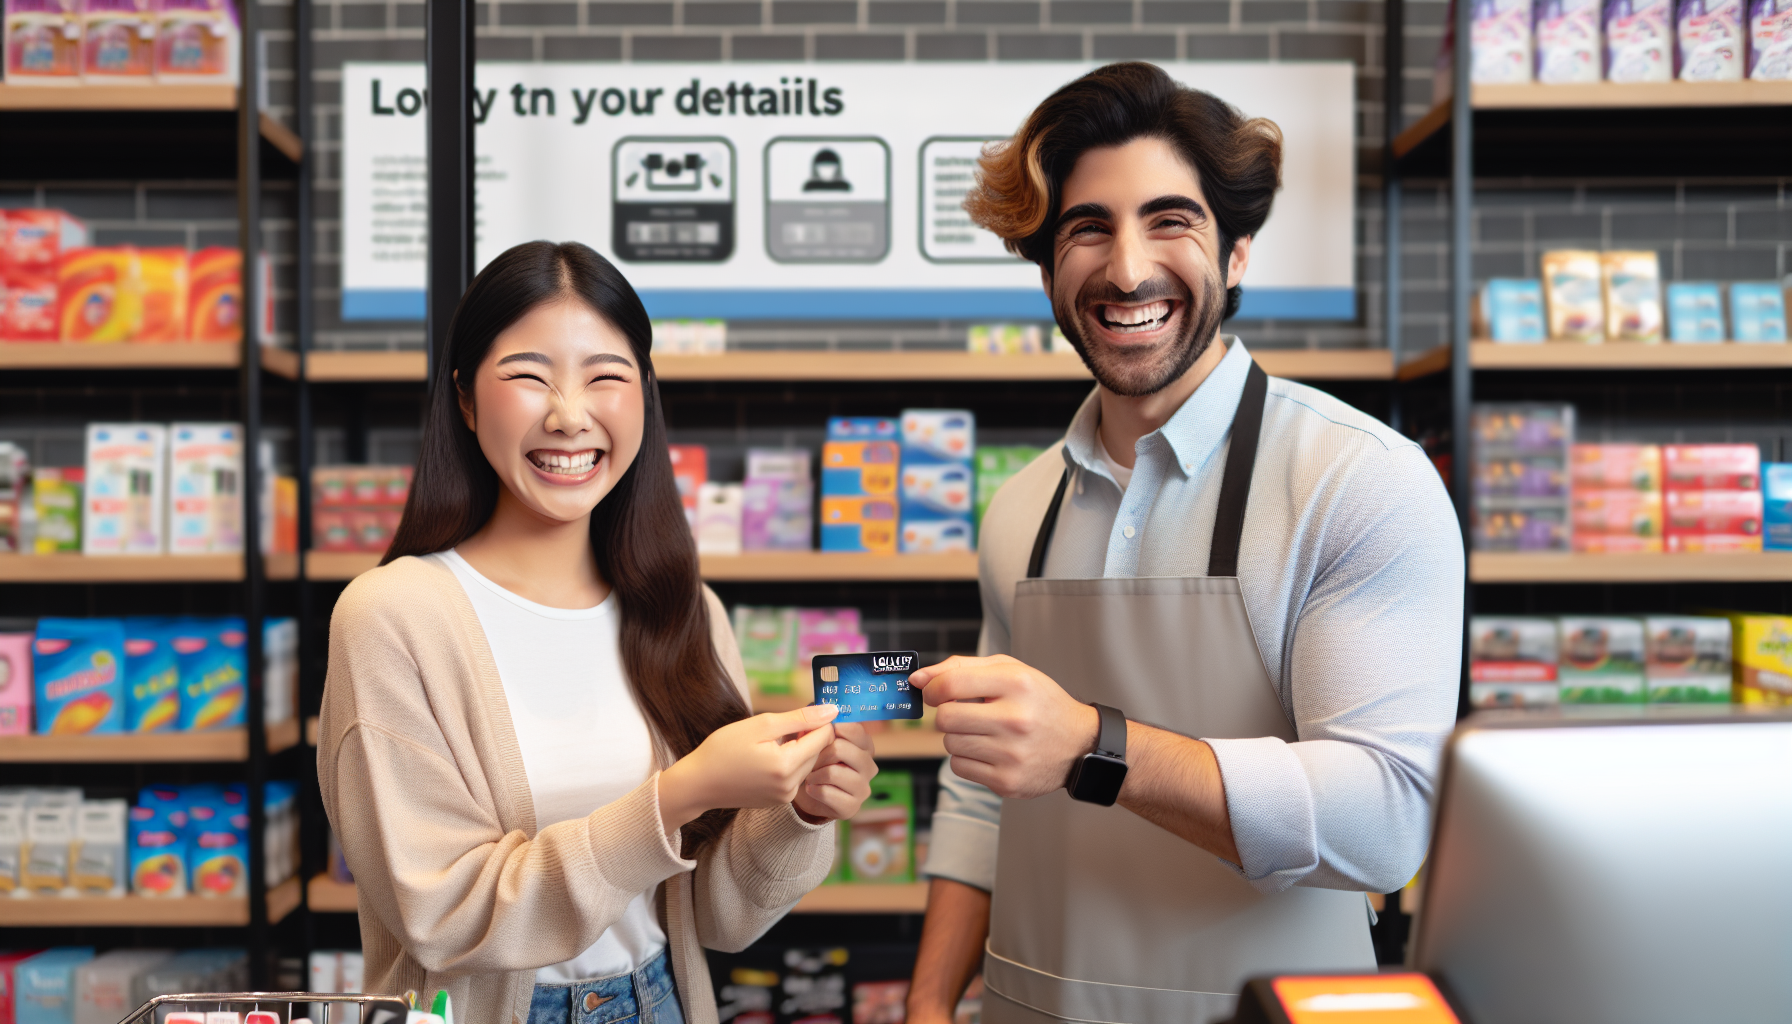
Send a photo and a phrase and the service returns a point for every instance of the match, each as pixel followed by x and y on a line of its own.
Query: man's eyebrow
pixel 526 357
pixel 1172 202
pixel 1085 210
pixel 606 357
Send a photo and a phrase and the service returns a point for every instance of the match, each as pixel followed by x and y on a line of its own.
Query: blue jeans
pixel 647 996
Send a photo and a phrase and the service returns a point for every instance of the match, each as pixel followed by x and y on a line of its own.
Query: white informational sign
pixel 799 191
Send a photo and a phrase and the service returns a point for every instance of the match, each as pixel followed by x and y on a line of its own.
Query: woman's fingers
pixel 800 720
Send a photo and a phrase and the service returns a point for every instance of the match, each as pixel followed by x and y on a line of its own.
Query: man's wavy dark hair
pixel 1020 181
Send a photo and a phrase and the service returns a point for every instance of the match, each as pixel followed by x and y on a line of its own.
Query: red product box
pixel 1737 513
pixel 1712 543
pixel 1711 467
pixel 1628 513
pixel 372 530
pixel 28 309
pixel 32 240
pixel 330 530
pixel 690 470
pixel 1632 467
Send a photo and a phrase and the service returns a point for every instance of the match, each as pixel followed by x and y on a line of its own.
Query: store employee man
pixel 1257 587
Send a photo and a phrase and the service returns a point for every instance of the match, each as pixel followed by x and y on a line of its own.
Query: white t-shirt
pixel 584 740
pixel 1122 474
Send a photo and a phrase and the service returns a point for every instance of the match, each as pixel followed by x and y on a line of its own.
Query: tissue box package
pixel 1572 295
pixel 1614 522
pixel 1633 467
pixel 1639 40
pixel 44 986
pixel 205 489
pixel 719 519
pixel 1501 42
pixel 1688 659
pixel 861 524
pixel 1601 661
pixel 776 515
pixel 1512 662
pixel 995 466
pixel 855 469
pixel 1713 36
pixel 1567 40
pixel 1632 291
pixel 121 513
pixel 1515 310
pixel 1695 311
pixel 942 435
pixel 862 428
pixel 925 536
pixel 1758 311
pixel 99 854
pixel 1770 40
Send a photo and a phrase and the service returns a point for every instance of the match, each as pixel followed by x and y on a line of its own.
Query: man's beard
pixel 1145 371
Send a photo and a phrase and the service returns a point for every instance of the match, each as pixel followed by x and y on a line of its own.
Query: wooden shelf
pixel 59 355
pixel 1301 364
pixel 339 565
pixel 1629 355
pixel 1561 567
pixel 325 895
pixel 814 566
pixel 135 748
pixel 71 568
pixel 143 912
pixel 898 744
pixel 118 97
pixel 1599 96
pixel 865 898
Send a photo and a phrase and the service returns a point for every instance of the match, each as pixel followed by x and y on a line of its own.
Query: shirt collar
pixel 1193 433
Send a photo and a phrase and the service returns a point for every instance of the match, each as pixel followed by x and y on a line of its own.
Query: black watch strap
pixel 1111 740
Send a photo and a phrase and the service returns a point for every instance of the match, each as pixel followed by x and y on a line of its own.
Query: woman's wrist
pixel 680 800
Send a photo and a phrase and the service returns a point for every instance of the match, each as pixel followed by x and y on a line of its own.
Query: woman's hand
pixel 841 779
pixel 756 762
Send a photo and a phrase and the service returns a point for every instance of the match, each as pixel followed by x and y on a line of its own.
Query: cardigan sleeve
pixel 767 859
pixel 421 833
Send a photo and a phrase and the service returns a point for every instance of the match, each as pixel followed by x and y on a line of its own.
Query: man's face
pixel 1135 283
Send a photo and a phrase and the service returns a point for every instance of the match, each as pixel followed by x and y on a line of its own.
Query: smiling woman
pixel 535 745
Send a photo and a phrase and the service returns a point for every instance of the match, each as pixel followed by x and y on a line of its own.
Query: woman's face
pixel 557 408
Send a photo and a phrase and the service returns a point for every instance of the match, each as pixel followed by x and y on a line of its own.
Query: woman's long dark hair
pixel 639 532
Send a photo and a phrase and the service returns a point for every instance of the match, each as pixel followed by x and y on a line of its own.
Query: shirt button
pixel 1127 532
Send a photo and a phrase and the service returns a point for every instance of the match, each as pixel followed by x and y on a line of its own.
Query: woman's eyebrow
pixel 526 357
pixel 606 357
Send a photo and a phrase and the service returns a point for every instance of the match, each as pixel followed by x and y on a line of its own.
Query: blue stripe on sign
pixel 873 304
pixel 384 304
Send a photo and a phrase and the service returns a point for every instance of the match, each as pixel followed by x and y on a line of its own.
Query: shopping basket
pixel 272 1008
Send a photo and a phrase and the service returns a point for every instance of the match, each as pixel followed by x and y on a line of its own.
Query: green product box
pixel 56 498
pixel 880 839
pixel 995 465
pixel 1689 659
pixel 1601 660
pixel 767 638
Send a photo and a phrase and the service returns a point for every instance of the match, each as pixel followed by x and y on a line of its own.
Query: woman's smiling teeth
pixel 564 463
pixel 1133 319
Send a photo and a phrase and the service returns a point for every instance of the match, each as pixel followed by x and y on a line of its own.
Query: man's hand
pixel 841 779
pixel 1023 738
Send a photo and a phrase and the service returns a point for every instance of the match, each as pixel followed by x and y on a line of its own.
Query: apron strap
pixel 1235 486
pixel 1043 541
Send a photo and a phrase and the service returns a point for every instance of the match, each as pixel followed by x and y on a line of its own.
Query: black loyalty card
pixel 868 687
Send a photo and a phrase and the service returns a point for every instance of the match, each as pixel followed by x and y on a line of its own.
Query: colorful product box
pixel 1522 529
pixel 215 283
pixel 99 294
pixel 1639 40
pixel 1633 467
pixel 162 275
pixel 98 857
pixel 719 509
pixel 925 536
pixel 1713 36
pixel 1501 38
pixel 858 469
pixel 776 514
pixel 1612 522
pixel 1761 660
pixel 218 845
pixel 862 428
pixel 196 41
pixel 1512 662
pixel 118 41
pixel 33 239
pixel 1695 312
pixel 690 470
pixel 280 674
pixel 943 435
pixel 1568 41
pixel 862 524
pixel 56 500
pixel 880 838
pixel 1688 659
pixel 1631 284
pixel 1758 311
pixel 9 963
pixel 995 467
pixel 205 489
pixel 151 675
pixel 45 985
pixel 1711 467
pixel 78 668
pixel 43 42
pixel 1713 520
pixel 158 852
pixel 944 488
pixel 1601 661
pixel 122 510
pixel 12 849
pixel 1572 295
pixel 49 838
pixel 1004 339
pixel 214 671
pixel 1513 310
pixel 767 638
pixel 28 309
pixel 15 680
pixel 1776 501
pixel 1770 40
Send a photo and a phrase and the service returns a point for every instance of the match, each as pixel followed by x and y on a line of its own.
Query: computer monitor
pixel 1618 869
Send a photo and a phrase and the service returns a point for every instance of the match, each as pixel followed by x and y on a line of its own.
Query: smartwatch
pixel 1096 777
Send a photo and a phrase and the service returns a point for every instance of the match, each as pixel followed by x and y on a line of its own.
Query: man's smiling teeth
pixel 1129 319
pixel 563 463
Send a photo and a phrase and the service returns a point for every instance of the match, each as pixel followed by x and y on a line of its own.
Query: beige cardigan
pixel 424 784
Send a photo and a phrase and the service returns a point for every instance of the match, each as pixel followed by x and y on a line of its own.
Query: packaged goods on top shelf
pixel 114 42
pixel 141 675
pixel 1658 659
pixel 690 337
pixel 1008 340
pixel 357 508
pixel 1570 41
pixel 1757 311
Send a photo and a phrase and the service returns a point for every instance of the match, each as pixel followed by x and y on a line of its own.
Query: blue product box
pixel 78 668
pixel 158 850
pixel 44 986
pixel 1758 311
pixel 214 673
pixel 861 428
pixel 925 533
pixel 859 469
pixel 1515 309
pixel 1695 311
pixel 218 843
pixel 938 488
pixel 941 435
pixel 151 676
pixel 1776 487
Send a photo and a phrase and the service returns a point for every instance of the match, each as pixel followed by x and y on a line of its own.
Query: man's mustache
pixel 1097 292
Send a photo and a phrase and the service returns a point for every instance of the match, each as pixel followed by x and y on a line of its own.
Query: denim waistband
pixel 647 993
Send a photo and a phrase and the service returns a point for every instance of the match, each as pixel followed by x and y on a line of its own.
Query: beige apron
pixel 1099 915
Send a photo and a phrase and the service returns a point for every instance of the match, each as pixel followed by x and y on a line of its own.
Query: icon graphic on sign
pixel 827 200
pixel 673 200
pixel 948 170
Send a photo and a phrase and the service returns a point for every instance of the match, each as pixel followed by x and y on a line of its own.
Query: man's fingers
pixel 967 719
pixel 977 680
pixel 972 770
pixel 923 676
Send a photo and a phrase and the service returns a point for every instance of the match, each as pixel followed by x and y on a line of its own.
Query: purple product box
pixel 776 515
pixel 1639 40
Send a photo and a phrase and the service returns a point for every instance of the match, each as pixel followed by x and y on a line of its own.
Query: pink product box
pixel 827 621
pixel 1712 39
pixel 1567 41
pixel 1736 513
pixel 1701 467
pixel 777 515
pixel 15 684
pixel 1639 40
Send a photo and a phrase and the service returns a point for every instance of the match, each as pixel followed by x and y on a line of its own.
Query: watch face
pixel 1098 780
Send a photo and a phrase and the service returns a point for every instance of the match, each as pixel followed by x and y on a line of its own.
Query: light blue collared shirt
pixel 1351 566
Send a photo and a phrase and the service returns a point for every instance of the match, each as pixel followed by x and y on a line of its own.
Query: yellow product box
pixel 1762 658
pixel 99 294
pixel 1631 282
pixel 853 469
pixel 866 525
pixel 1573 295
pixel 162 280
